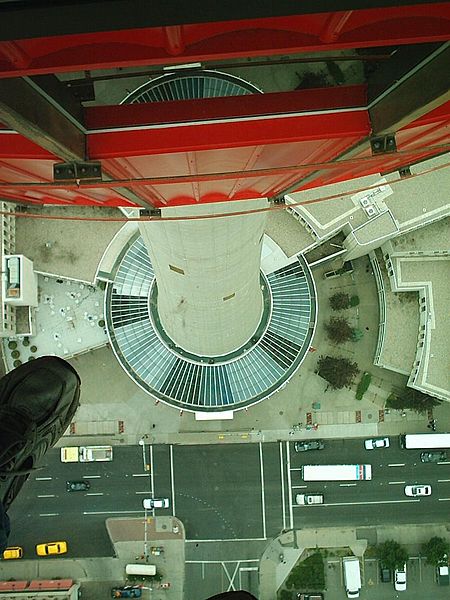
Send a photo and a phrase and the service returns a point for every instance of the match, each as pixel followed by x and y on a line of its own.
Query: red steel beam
pixel 205 42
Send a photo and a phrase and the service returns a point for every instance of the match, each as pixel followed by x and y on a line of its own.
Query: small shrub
pixel 308 574
pixel 339 330
pixel 354 301
pixel 363 385
pixel 339 301
pixel 285 595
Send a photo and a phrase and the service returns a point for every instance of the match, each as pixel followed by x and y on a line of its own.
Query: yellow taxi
pixel 12 552
pixel 51 548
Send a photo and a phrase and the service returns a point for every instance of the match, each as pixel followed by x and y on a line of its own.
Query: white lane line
pixel 263 500
pixel 369 502
pixel 221 562
pixel 49 514
pixel 296 468
pixel 142 493
pixel 94 494
pixel 151 471
pixel 229 540
pixel 91 476
pixel 396 464
pixel 140 475
pixel 283 497
pixel 42 478
pixel 288 466
pixel 444 462
pixel 347 484
pixel 112 512
pixel 172 479
pixel 444 499
pixel 443 480
pixel 396 482
pixel 46 496
pixel 299 487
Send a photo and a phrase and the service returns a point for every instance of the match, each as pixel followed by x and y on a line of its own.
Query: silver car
pixel 374 443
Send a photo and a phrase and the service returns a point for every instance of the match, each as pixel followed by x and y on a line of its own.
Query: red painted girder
pixel 228 39
pixel 236 107
pixel 227 134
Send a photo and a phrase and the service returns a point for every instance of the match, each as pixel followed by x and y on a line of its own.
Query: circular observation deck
pixel 186 381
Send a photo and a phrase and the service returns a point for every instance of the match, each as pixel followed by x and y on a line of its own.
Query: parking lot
pixel 421 582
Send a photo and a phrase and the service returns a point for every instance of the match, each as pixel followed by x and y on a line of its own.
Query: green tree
pixel 338 330
pixel 436 550
pixel 339 372
pixel 339 301
pixel 391 554
pixel 412 399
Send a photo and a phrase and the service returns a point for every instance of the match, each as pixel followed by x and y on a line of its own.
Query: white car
pixel 150 503
pixel 400 579
pixel 418 490
pixel 374 443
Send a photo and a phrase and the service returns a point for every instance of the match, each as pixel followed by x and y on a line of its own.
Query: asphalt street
pixel 235 492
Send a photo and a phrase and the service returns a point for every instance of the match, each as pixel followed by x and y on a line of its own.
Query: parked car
pixel 50 548
pixel 12 552
pixel 126 591
pixel 433 457
pixel 77 486
pixel 374 443
pixel 150 503
pixel 417 490
pixel 305 445
pixel 400 579
pixel 308 499
pixel 442 574
pixel 385 574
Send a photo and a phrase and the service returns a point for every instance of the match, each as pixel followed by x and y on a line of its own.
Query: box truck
pixel 86 453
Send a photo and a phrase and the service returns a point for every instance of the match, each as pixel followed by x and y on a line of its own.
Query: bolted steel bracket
pixel 383 144
pixel 77 170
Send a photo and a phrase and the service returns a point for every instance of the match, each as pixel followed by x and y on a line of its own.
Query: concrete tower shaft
pixel 207 273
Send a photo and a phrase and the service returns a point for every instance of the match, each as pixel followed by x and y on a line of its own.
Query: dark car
pixel 305 445
pixel 127 591
pixel 385 574
pixel 433 457
pixel 77 486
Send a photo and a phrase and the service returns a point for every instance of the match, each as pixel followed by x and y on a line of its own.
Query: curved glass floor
pixel 205 384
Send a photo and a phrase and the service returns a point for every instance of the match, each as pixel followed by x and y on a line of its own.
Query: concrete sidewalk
pixel 283 553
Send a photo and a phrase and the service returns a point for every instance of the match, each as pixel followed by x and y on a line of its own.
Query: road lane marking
pixel 263 500
pixel 444 499
pixel 46 496
pixel 227 540
pixel 147 492
pixel 296 468
pixel 283 497
pixel 112 512
pixel 444 462
pixel 368 502
pixel 347 484
pixel 443 480
pixel 152 480
pixel 140 474
pixel 172 479
pixel 49 514
pixel 396 482
pixel 298 487
pixel 94 494
pixel 288 464
pixel 396 464
pixel 91 476
pixel 42 478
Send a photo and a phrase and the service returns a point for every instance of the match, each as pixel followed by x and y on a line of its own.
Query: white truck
pixel 86 453
pixel 352 576
pixel 308 499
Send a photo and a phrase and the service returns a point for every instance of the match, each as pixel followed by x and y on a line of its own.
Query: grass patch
pixel 309 574
pixel 363 385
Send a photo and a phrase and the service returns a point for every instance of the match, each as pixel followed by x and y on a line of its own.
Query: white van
pixel 352 576
pixel 308 499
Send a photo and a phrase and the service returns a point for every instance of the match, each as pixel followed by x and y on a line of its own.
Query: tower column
pixel 207 273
